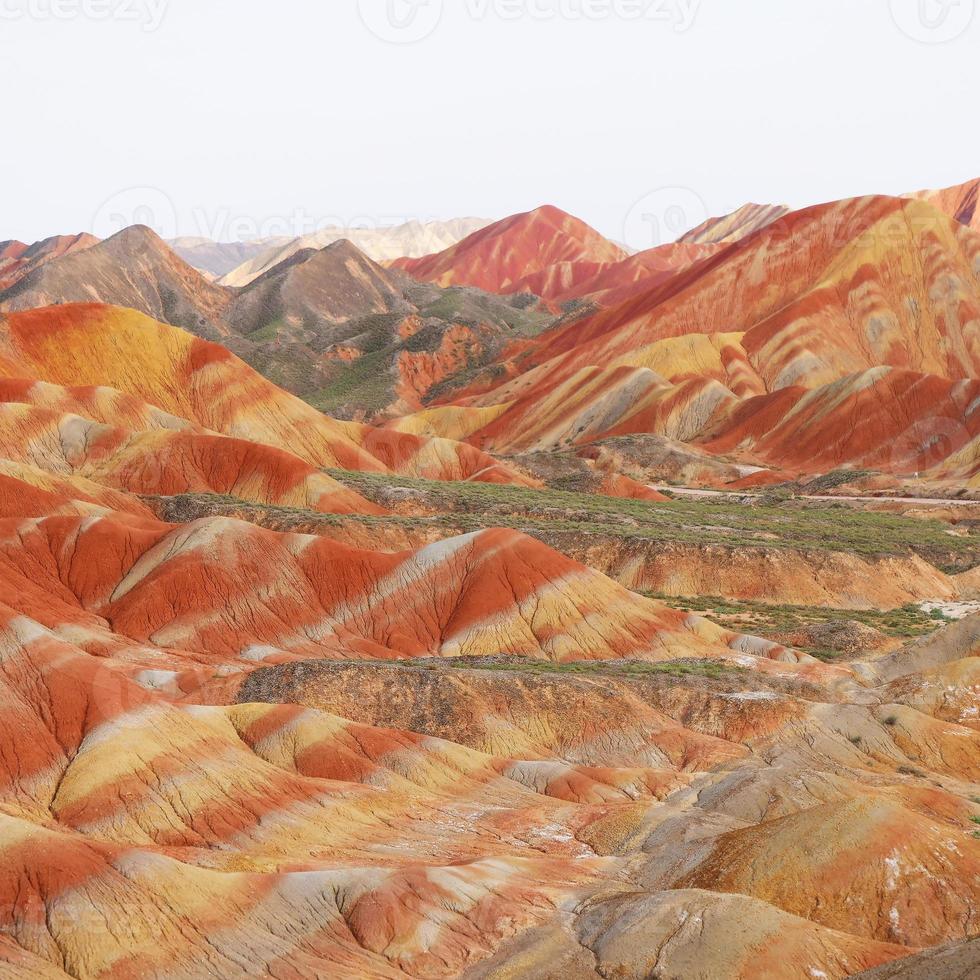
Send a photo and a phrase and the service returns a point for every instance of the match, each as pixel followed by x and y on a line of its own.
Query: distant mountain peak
pixel 18 260
pixel 380 244
pixel 134 268
pixel 499 257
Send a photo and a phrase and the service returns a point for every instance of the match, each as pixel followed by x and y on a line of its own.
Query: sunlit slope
pixel 225 587
pixel 203 383
pixel 30 491
pixel 819 296
pixel 204 834
pixel 164 462
pixel 858 277
pixel 268 838
pixel 883 419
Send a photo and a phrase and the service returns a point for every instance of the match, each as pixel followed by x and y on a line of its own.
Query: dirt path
pixel 912 501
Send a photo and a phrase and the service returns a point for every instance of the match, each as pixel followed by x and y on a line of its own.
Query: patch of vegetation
pixel 366 382
pixel 833 480
pixel 774 496
pixel 427 340
pixel 701 522
pixel 267 333
pixel 518 314
pixel 827 656
pixel 910 771
pixel 372 334
pixel 767 619
pixel 710 669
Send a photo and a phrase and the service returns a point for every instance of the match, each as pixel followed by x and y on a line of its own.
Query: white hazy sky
pixel 232 118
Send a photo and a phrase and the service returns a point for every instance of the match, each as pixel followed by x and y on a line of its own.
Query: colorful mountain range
pixel 528 608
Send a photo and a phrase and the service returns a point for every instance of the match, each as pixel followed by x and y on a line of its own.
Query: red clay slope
pixel 220 590
pixel 162 462
pixel 206 385
pixel 885 419
pixel 609 283
pixel 502 257
pixel 821 295
pixel 286 841
pixel 850 262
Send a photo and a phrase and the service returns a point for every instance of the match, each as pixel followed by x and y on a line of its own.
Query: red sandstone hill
pixel 610 283
pixel 502 257
pixel 820 296
pixel 883 419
